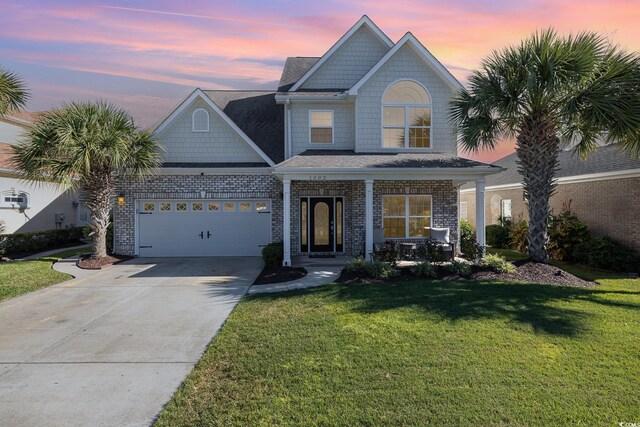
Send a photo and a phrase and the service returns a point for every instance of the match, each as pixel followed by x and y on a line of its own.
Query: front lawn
pixel 20 277
pixel 418 353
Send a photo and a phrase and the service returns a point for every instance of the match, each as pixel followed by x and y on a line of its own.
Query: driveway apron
pixel 110 348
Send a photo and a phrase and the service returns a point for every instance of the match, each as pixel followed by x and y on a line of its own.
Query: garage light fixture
pixel 121 200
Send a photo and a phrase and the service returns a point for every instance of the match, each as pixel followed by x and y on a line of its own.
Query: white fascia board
pixel 575 179
pixel 365 20
pixel 215 171
pixel 424 53
pixel 282 99
pixel 198 93
pixel 333 174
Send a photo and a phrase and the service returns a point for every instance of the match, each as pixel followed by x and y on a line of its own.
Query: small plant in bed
pixel 459 268
pixel 497 264
pixel 424 269
pixel 359 268
pixel 274 271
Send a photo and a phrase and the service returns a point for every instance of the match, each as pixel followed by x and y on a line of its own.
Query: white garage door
pixel 203 227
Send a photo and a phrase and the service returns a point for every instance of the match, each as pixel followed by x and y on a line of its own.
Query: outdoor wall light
pixel 121 200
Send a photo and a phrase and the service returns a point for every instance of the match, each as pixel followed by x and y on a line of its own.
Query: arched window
pixel 200 120
pixel 406 116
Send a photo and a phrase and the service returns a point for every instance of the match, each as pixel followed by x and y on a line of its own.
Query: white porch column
pixel 368 218
pixel 286 226
pixel 480 220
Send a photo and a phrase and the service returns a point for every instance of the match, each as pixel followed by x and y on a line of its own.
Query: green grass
pixel 508 254
pixel 20 277
pixel 419 353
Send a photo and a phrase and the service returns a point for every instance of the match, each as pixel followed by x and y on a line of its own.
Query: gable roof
pixel 198 93
pixel 294 68
pixel 410 39
pixel 608 158
pixel 6 153
pixel 364 21
pixel 257 114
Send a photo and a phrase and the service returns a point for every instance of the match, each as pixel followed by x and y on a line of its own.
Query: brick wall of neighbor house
pixel 408 64
pixel 189 187
pixel 343 126
pixel 444 205
pixel 220 144
pixel 350 62
pixel 608 207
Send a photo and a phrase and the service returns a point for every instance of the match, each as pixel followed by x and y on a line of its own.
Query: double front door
pixel 321 224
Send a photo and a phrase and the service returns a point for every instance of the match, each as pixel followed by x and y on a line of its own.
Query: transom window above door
pixel 321 127
pixel 406 116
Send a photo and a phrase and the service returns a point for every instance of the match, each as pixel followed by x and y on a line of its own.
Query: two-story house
pixel 352 147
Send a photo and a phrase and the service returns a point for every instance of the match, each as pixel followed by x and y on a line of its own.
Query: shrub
pixel 39 240
pixel 273 254
pixel 356 265
pixel 519 235
pixel 606 253
pixel 497 263
pixel 2 227
pixel 566 232
pixel 381 270
pixel 424 269
pixel 460 268
pixel 499 235
pixel 468 243
pixel 388 252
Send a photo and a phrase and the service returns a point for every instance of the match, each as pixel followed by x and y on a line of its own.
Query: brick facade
pixel 189 187
pixel 607 207
pixel 444 206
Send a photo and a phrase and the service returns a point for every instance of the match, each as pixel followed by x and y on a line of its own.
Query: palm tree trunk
pixel 537 148
pixel 99 190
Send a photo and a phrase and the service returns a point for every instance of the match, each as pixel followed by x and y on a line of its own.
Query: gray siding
pixel 406 63
pixel 350 62
pixel 343 127
pixel 220 144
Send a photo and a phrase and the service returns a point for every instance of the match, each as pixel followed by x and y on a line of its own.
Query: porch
pixel 341 211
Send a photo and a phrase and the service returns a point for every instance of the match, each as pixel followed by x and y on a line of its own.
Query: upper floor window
pixel 321 127
pixel 200 120
pixel 406 116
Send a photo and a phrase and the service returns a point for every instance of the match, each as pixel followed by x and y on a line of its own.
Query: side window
pixel 464 213
pixel 200 120
pixel 321 127
pixel 505 209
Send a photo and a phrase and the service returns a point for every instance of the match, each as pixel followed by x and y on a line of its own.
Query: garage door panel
pixel 177 233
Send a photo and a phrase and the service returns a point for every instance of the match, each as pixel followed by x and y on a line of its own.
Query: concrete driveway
pixel 111 347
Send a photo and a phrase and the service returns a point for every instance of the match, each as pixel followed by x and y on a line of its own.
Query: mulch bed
pixel 536 272
pixel 88 263
pixel 527 271
pixel 279 274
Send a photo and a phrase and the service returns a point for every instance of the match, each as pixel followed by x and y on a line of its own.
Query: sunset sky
pixel 147 55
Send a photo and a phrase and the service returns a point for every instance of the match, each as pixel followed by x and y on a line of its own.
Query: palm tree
pixel 91 147
pixel 547 92
pixel 13 93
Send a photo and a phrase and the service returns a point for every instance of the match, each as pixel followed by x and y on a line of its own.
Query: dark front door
pixel 321 224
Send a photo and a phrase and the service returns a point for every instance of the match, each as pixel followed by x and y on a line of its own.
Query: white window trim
pixel 406 121
pixel 333 128
pixel 502 216
pixel 193 127
pixel 407 215
pixel 466 209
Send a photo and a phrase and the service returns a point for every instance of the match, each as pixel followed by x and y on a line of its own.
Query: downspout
pixel 288 143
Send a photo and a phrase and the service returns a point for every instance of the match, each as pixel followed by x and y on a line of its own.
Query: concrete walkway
pixel 54 251
pixel 111 347
pixel 320 271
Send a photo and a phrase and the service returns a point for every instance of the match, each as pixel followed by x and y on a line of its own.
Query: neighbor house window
pixel 406 116
pixel 321 127
pixel 14 200
pixel 200 120
pixel 505 209
pixel 406 216
pixel 464 211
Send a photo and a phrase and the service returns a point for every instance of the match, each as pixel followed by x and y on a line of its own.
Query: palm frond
pixel 13 93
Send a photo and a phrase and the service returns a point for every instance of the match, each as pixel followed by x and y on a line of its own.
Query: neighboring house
pixel 603 191
pixel 352 147
pixel 31 207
